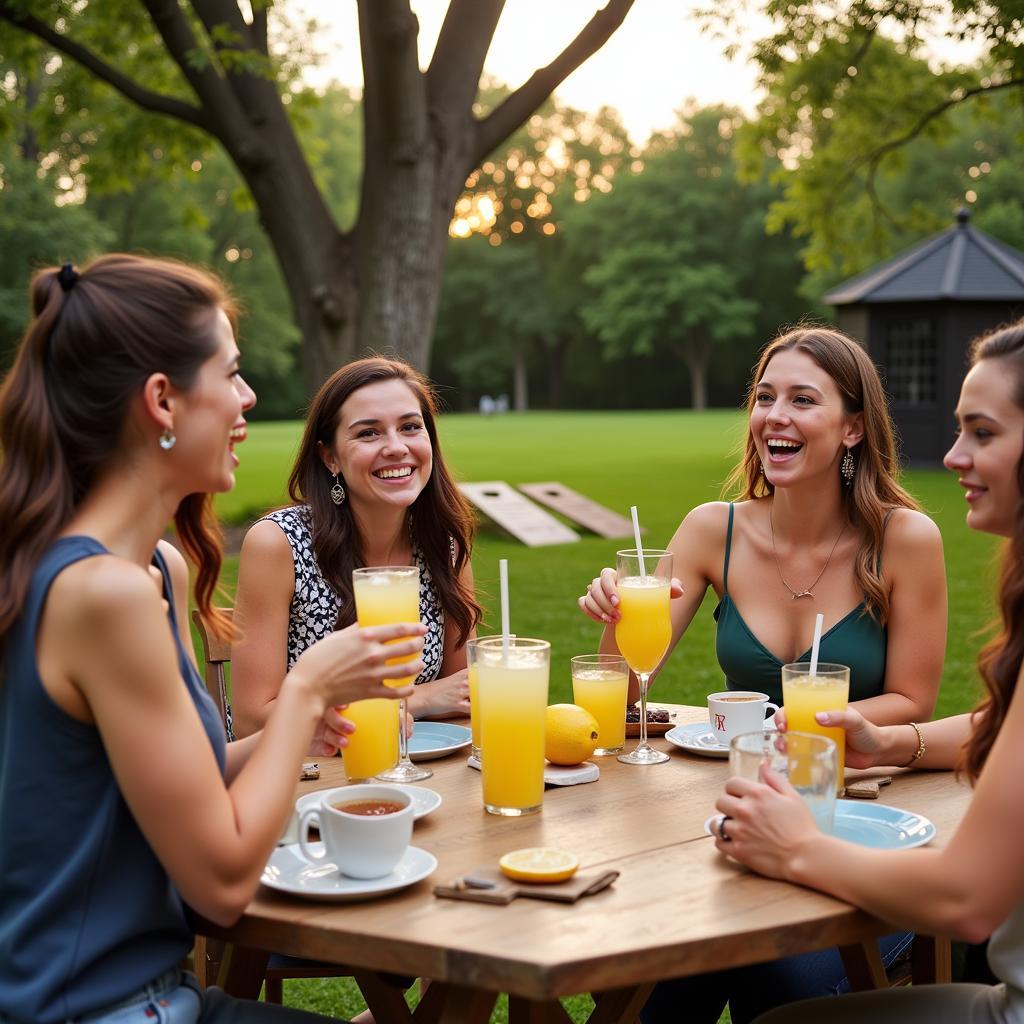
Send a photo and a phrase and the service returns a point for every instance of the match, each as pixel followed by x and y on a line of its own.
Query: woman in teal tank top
pixel 121 413
pixel 821 526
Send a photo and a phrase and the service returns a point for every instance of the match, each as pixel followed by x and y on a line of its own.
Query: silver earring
pixel 168 440
pixel 337 491
pixel 847 467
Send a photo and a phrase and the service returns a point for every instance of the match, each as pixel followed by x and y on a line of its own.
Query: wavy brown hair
pixel 65 401
pixel 999 661
pixel 442 522
pixel 875 491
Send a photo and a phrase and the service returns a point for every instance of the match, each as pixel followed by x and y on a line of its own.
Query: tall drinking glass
pixel 386 595
pixel 805 695
pixel 600 683
pixel 373 747
pixel 643 633
pixel 513 696
pixel 474 689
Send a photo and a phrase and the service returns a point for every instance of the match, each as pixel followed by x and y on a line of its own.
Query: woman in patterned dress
pixel 369 487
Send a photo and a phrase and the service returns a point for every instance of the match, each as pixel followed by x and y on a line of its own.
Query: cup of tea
pixel 734 711
pixel 365 829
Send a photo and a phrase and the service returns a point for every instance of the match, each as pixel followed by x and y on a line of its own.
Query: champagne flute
pixel 643 633
pixel 385 595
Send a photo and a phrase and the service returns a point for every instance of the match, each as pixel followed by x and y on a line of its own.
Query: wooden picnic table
pixel 677 908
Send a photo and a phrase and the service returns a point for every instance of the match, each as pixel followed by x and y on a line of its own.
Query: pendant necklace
pixel 809 591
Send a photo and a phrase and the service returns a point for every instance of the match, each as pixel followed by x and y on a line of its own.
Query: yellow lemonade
pixel 645 629
pixel 602 692
pixel 373 747
pixel 387 598
pixel 474 705
pixel 805 696
pixel 512 701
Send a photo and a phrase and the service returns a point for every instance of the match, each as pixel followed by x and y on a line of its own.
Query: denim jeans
pixel 176 998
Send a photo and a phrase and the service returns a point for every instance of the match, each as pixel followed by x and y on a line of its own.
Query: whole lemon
pixel 570 734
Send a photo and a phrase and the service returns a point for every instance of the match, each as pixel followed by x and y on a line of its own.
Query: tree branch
pixel 453 78
pixel 510 114
pixel 394 100
pixel 145 98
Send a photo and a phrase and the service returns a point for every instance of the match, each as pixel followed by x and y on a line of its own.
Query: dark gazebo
pixel 916 314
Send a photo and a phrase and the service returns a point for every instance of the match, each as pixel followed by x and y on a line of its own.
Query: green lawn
pixel 664 462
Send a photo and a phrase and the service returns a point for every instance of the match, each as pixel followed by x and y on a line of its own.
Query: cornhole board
pixel 579 509
pixel 517 514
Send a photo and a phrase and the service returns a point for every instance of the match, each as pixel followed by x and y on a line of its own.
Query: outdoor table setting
pixel 434 879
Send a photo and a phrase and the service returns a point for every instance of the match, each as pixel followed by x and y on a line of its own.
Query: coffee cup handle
pixel 309 816
pixel 774 707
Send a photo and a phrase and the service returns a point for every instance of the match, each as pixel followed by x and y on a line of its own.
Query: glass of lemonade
pixel 373 747
pixel 474 689
pixel 512 684
pixel 809 762
pixel 804 696
pixel 385 595
pixel 644 583
pixel 600 683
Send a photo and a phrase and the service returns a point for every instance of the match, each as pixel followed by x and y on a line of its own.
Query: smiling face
pixel 212 421
pixel 798 423
pixel 986 454
pixel 381 447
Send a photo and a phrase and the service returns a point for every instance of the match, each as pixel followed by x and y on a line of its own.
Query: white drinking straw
pixel 639 546
pixel 818 620
pixel 505 627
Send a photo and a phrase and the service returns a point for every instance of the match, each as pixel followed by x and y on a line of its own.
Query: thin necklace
pixel 809 591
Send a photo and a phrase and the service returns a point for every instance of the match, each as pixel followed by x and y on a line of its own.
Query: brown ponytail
pixel 94 339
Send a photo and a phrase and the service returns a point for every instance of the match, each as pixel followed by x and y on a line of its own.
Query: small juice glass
pixel 373 747
pixel 600 683
pixel 512 684
pixel 474 689
pixel 804 696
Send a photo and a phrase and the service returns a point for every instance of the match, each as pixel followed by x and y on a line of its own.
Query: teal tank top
pixel 856 640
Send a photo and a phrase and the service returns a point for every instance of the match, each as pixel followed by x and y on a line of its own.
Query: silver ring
pixel 721 828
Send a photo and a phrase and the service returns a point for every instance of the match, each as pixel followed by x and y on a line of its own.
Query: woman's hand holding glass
pixel 867 744
pixel 601 601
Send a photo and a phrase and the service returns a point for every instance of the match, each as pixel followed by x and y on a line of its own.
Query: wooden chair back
pixel 216 656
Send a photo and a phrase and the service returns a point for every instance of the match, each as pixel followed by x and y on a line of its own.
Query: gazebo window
pixel 912 371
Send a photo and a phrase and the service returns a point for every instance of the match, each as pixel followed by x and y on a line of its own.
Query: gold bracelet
pixel 919 753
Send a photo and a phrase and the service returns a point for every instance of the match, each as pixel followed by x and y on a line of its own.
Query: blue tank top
pixel 87 913
pixel 856 640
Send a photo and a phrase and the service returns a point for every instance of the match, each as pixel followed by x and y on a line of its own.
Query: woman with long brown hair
pixel 370 487
pixel 821 526
pixel 972 888
pixel 120 801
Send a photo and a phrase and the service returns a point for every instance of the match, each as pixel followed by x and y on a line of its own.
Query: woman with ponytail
pixel 120 801
pixel 973 888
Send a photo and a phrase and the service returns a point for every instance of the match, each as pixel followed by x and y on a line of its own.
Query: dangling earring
pixel 337 491
pixel 168 440
pixel 847 468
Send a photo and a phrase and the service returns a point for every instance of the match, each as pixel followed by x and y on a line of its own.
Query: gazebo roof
pixel 961 263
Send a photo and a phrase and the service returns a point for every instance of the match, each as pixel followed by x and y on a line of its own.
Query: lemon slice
pixel 539 864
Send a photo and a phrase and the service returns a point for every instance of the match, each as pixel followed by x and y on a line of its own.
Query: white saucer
pixel 423 800
pixel 288 871
pixel 699 738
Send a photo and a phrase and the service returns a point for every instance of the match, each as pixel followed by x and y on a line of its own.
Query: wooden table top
pixel 678 906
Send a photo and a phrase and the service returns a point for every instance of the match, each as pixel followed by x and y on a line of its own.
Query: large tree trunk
pixel 520 383
pixel 696 353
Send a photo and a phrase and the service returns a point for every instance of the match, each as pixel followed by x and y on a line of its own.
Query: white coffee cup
pixel 734 711
pixel 361 844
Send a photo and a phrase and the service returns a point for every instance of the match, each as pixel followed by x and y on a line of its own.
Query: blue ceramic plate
pixel 880 827
pixel 436 739
pixel 868 824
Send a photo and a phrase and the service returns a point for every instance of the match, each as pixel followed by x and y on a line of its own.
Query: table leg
pixel 619 1005
pixel 454 1004
pixel 382 998
pixel 931 960
pixel 864 967
pixel 242 971
pixel 529 1011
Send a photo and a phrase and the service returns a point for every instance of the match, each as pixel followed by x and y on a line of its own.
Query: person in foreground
pixel 370 487
pixel 974 886
pixel 120 802
pixel 823 527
